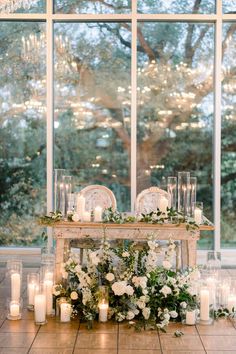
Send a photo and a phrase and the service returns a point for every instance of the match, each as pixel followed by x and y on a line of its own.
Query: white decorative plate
pixel 148 200
pixel 97 195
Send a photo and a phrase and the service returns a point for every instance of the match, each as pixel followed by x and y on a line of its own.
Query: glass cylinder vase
pixel 14 273
pixel 59 190
pixel 206 306
pixel 14 309
pixel 172 191
pixel 67 185
pixel 193 193
pixel 103 303
pixel 184 193
pixel 32 289
pixel 40 306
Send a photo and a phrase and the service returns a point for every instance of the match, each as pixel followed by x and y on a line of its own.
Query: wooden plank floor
pixel 23 336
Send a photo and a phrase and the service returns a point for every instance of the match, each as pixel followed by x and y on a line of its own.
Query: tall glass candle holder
pixel 32 289
pixel 184 193
pixel 14 309
pixel 213 264
pixel 47 277
pixel 198 212
pixel 103 303
pixel 172 190
pixel 206 313
pixel 40 306
pixel 67 184
pixel 193 193
pixel 14 271
pixel 59 190
pixel 47 256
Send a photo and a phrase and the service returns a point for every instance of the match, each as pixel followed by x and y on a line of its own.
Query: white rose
pixel 75 217
pixel 146 313
pixel 141 304
pixel 110 277
pixel 129 290
pixel 166 316
pixel 74 295
pixel 183 304
pixel 119 288
pixel 130 315
pixel 173 314
pixel 166 264
pixel 125 254
pixel 165 290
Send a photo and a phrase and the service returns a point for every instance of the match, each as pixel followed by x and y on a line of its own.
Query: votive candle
pixel 65 312
pixel 103 312
pixel 98 214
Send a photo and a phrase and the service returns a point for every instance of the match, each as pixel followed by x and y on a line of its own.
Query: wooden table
pixel 66 231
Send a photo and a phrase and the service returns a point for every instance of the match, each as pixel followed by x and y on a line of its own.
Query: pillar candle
pixel 40 308
pixel 198 216
pixel 15 286
pixel 86 216
pixel 231 303
pixel 190 317
pixel 48 284
pixel 163 204
pixel 31 293
pixel 204 304
pixel 65 312
pixel 103 312
pixel 14 309
pixel 98 214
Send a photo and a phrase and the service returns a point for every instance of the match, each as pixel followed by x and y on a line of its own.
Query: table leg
pixel 60 245
pixel 192 252
pixel 184 253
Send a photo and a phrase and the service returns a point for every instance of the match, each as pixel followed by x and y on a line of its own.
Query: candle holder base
pixel 13 318
pixel 40 323
pixel 205 322
pixel 187 324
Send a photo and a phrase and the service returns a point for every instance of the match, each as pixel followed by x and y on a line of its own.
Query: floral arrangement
pixel 140 290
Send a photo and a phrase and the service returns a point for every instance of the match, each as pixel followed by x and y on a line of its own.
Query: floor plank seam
pixel 201 340
pixel 33 340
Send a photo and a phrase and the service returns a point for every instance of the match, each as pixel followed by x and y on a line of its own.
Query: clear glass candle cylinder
pixel 213 264
pixel 189 316
pixel 14 309
pixel 40 306
pixel 172 191
pixel 14 273
pixel 231 301
pixel 198 212
pixel 65 310
pixel 103 303
pixel 206 306
pixel 184 193
pixel 193 193
pixel 59 202
pixel 67 185
pixel 223 292
pixel 47 256
pixel 47 278
pixel 32 289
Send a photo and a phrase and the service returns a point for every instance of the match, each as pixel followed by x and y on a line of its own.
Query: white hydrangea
pixel 140 281
pixel 86 296
pixel 165 290
pixel 146 313
pixel 129 290
pixel 166 264
pixel 110 277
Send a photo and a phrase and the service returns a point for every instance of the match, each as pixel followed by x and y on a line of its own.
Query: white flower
pixel 166 264
pixel 125 254
pixel 129 290
pixel 56 290
pixel 119 287
pixel 74 295
pixel 93 256
pixel 110 277
pixel 130 315
pixel 146 313
pixel 75 217
pixel 173 314
pixel 166 316
pixel 183 304
pixel 165 290
pixel 141 304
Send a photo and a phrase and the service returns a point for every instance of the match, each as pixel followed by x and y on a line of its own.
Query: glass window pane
pixel 22 133
pixel 29 6
pixel 92 107
pixel 175 106
pixel 176 6
pixel 92 7
pixel 228 161
pixel 229 6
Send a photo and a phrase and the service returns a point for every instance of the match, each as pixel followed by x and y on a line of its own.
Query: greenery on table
pixel 142 291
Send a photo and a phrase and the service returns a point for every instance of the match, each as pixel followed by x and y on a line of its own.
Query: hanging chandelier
pixel 10 6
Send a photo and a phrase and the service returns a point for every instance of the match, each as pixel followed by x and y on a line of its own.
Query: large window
pixel 135 99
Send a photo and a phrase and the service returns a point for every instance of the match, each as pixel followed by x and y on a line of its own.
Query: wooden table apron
pixel 66 231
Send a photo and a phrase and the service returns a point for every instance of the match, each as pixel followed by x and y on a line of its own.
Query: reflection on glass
pixel 22 133
pixel 92 7
pixel 175 105
pixel 176 6
pixel 229 6
pixel 228 166
pixel 92 105
pixel 22 6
